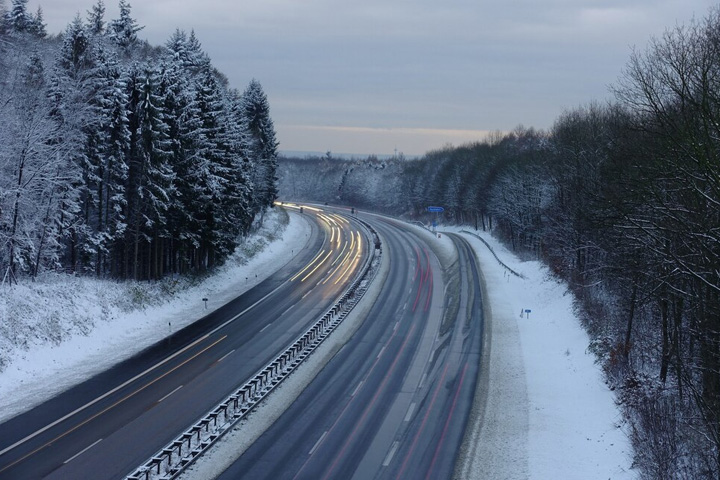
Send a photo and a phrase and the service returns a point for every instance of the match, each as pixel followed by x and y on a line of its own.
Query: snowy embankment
pixel 548 412
pixel 62 330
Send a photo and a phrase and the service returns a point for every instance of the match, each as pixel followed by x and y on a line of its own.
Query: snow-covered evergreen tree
pixel 156 185
pixel 107 144
pixel 124 29
pixel 96 18
pixel 264 144
pixel 18 17
pixel 114 164
pixel 76 54
pixel 37 24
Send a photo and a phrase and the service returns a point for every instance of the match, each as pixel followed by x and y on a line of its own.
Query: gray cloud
pixel 410 64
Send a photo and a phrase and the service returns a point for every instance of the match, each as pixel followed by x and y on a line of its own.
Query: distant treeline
pixel 621 200
pixel 122 159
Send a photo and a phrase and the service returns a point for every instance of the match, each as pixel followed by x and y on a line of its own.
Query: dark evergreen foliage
pixel 117 159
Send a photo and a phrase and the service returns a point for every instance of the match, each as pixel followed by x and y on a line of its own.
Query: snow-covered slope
pixel 549 413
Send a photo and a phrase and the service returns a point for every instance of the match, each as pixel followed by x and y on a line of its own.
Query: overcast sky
pixel 372 76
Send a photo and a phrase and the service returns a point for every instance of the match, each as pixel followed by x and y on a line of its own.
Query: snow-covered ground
pixel 548 413
pixel 72 328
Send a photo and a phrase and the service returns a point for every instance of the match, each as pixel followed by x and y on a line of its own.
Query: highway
pixel 394 401
pixel 110 424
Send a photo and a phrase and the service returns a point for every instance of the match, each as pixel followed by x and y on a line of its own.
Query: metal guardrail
pixel 170 461
pixel 520 275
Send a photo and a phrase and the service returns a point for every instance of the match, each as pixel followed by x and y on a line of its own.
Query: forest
pixel 622 201
pixel 119 159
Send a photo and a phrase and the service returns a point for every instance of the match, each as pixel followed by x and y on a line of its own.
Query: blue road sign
pixel 435 209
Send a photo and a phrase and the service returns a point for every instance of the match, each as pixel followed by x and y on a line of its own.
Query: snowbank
pixel 549 413
pixel 60 331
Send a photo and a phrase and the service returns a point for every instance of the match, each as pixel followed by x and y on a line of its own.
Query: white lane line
pixel 409 413
pixel 381 351
pixel 166 396
pixel 106 394
pixel 357 388
pixel 226 355
pixel 391 454
pixel 81 452
pixel 422 381
pixel 397 324
pixel 266 326
pixel 317 444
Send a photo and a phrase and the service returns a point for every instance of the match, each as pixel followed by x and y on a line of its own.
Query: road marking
pixel 93 417
pixel 89 404
pixel 178 388
pixel 226 355
pixel 391 454
pixel 317 444
pixel 397 324
pixel 266 326
pixel 81 452
pixel 409 413
pixel 421 429
pixel 422 381
pixel 357 388
pixel 381 351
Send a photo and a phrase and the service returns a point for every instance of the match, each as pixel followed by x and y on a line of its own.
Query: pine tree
pixel 96 18
pixel 37 24
pixel 181 117
pixel 111 134
pixel 243 166
pixel 124 29
pixel 76 52
pixel 150 177
pixel 157 185
pixel 264 145
pixel 18 17
pixel 197 59
pixel 177 47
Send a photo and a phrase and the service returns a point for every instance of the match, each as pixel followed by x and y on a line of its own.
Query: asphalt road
pixel 107 426
pixel 394 401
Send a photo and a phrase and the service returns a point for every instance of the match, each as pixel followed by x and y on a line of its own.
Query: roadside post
pixel 436 211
